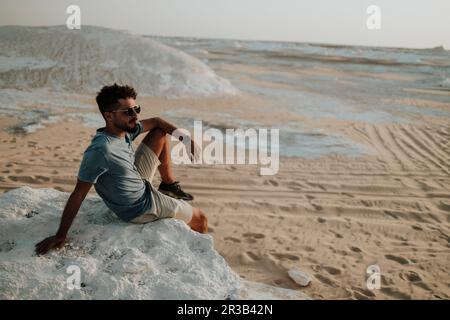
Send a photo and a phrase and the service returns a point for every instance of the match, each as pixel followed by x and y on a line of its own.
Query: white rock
pixel 300 277
pixel 117 260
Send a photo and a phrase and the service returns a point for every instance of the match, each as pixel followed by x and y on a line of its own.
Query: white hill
pixel 82 61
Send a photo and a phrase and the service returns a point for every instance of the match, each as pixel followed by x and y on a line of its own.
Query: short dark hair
pixel 108 97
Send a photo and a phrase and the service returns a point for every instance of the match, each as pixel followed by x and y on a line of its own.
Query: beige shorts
pixel 163 206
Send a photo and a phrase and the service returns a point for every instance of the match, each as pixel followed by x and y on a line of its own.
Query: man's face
pixel 120 117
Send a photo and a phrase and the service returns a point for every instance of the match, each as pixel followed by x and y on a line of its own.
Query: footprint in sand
pixel 395 293
pixel 309 249
pixel 359 296
pixel 347 194
pixel 321 220
pixel 232 239
pixel 284 256
pixel 397 259
pixel 355 249
pixel 411 276
pixel 362 294
pixel 366 203
pixel 391 214
pixel 254 235
pixel 272 182
pixel 332 270
pixel 317 207
pixel 336 234
pixel 278 282
pixel 46 179
pixel 325 280
pixel 316 185
pixel 444 206
pixel 25 179
pixel 414 278
pixel 295 186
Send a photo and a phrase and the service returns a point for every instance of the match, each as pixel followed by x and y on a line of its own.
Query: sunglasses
pixel 130 111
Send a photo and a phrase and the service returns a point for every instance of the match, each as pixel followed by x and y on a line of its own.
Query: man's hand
pixel 70 211
pixel 49 243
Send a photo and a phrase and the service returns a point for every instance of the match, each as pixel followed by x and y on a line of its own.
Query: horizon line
pixel 441 46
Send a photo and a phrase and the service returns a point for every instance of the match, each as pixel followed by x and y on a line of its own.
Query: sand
pixel 330 217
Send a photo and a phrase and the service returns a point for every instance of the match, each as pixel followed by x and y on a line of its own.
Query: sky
pixel 404 23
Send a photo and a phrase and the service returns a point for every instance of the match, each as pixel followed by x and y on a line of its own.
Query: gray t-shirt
pixel 108 163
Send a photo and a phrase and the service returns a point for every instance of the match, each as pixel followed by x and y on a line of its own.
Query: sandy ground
pixel 330 217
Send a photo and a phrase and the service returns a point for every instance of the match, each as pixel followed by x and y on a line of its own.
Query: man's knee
pixel 155 134
pixel 155 140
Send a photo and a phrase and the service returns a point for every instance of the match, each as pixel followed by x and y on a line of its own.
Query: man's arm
pixel 69 213
pixel 152 123
pixel 167 127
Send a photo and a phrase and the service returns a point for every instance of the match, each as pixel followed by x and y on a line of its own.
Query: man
pixel 121 177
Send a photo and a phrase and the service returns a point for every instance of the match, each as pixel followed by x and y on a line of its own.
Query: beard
pixel 126 127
